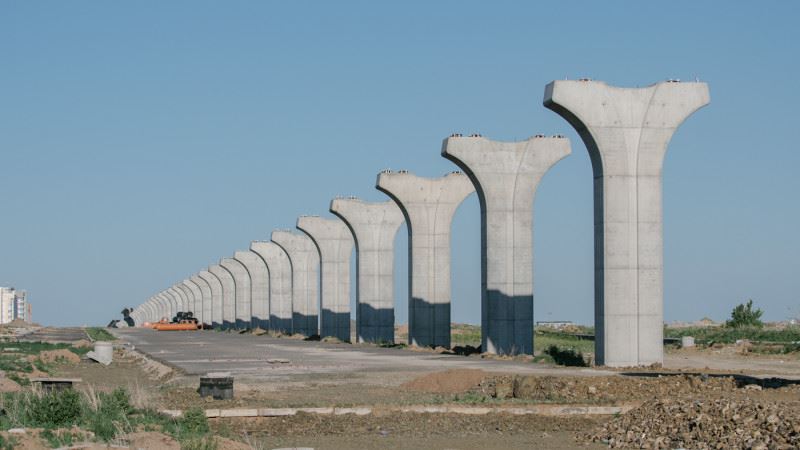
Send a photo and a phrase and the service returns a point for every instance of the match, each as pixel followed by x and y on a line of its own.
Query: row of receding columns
pixel 299 282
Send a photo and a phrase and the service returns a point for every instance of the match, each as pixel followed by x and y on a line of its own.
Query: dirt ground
pixel 740 411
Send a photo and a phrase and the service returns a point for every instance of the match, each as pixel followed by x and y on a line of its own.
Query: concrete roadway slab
pixel 200 352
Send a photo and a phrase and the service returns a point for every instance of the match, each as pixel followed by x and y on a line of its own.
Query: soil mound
pixel 8 385
pixel 152 439
pixel 19 323
pixel 82 343
pixel 447 382
pixel 63 355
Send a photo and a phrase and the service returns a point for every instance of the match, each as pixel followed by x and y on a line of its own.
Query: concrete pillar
pixel 148 310
pixel 205 295
pixel 170 305
pixel 213 314
pixel 183 301
pixel 626 131
pixel 304 258
pixel 259 287
pixel 189 307
pixel 161 306
pixel 374 226
pixel 177 302
pixel 505 176
pixel 280 284
pixel 334 244
pixel 428 205
pixel 242 311
pixel 197 306
pixel 228 306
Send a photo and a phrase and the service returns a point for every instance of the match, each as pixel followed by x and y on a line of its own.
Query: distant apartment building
pixel 14 305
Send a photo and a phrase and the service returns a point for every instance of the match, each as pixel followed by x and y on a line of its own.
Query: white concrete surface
pixel 259 287
pixel 280 284
pixel 335 245
pixel 505 176
pixel 428 205
pixel 626 131
pixel 374 227
pixel 304 258
pixel 213 314
pixel 241 278
pixel 228 306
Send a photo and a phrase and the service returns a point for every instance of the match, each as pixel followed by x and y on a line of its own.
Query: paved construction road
pixel 200 352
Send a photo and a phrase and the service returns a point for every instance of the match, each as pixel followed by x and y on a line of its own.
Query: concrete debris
pixel 704 424
pixel 102 359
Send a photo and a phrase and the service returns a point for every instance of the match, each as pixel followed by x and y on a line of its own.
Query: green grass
pixel 725 335
pixel 106 415
pixel 544 340
pixel 34 348
pixel 100 334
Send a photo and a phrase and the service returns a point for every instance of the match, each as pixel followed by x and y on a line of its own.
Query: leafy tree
pixel 745 316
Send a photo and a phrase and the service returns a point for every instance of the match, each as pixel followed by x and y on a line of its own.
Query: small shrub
pixel 194 422
pixel 100 334
pixel 58 439
pixel 745 316
pixel 54 409
pixel 566 357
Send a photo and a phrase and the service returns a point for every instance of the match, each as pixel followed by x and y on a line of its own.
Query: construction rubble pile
pixel 684 423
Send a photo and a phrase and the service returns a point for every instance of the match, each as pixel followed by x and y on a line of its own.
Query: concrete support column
pixel 189 307
pixel 197 306
pixel 174 302
pixel 259 287
pixel 163 305
pixel 241 278
pixel 183 301
pixel 177 301
pixel 428 205
pixel 280 284
pixel 170 305
pixel 213 314
pixel 334 244
pixel 627 132
pixel 374 226
pixel 304 259
pixel 228 306
pixel 506 175
pixel 205 303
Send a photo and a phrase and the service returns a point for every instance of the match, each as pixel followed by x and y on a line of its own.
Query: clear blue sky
pixel 142 141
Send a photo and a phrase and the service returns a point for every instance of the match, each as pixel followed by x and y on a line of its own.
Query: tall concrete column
pixel 188 294
pixel 374 227
pixel 626 131
pixel 178 304
pixel 334 244
pixel 228 306
pixel 304 258
pixel 164 304
pixel 213 314
pixel 177 301
pixel 183 301
pixel 241 277
pixel 170 304
pixel 259 287
pixel 148 310
pixel 428 205
pixel 280 284
pixel 205 295
pixel 197 295
pixel 505 176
